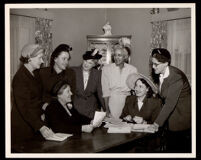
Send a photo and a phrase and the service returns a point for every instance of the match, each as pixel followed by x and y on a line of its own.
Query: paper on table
pixel 59 137
pixel 119 129
pixel 121 124
pixel 98 118
pixel 113 120
pixel 140 126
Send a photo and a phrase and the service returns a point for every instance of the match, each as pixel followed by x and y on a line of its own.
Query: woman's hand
pixel 87 128
pixel 44 106
pixel 128 118
pixel 153 127
pixel 46 132
pixel 138 120
pixel 97 125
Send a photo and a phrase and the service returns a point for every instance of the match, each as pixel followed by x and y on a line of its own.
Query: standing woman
pixel 57 71
pixel 175 91
pixel 115 89
pixel 88 94
pixel 27 97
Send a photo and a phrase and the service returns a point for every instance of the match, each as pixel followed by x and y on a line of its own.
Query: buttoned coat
pixel 87 101
pixel 49 78
pixel 26 105
pixel 149 111
pixel 176 95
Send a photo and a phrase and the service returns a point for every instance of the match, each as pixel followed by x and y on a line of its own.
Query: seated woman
pixel 60 114
pixel 141 107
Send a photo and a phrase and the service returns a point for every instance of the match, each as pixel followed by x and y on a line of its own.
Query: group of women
pixel 63 99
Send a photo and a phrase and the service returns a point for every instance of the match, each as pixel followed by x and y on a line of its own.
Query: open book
pixel 59 137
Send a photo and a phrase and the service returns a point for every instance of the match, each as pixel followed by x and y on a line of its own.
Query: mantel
pixel 106 38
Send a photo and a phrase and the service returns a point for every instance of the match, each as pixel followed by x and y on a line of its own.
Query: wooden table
pixel 97 141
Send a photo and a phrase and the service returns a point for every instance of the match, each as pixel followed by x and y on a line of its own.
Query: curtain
pixel 158 40
pixel 159 35
pixel 22 30
pixel 179 44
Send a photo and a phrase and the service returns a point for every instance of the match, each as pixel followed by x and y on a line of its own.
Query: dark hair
pixel 162 55
pixel 58 50
pixel 150 91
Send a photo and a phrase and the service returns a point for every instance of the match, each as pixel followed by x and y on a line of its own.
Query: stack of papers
pixel 59 137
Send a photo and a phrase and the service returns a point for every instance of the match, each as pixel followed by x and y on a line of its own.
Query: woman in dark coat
pixel 141 107
pixel 88 94
pixel 57 71
pixel 175 91
pixel 61 115
pixel 27 97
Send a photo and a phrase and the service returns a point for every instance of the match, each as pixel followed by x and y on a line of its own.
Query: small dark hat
pixel 57 87
pixel 162 52
pixel 93 54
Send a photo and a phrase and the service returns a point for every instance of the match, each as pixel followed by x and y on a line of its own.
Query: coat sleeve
pixel 125 111
pixel 105 83
pixel 99 90
pixel 29 106
pixel 60 124
pixel 71 79
pixel 157 108
pixel 170 101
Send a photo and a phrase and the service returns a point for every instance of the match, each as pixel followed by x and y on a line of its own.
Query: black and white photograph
pixel 100 80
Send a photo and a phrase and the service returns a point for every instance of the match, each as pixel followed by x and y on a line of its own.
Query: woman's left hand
pixel 153 127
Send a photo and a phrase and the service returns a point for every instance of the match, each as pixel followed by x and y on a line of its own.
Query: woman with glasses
pixel 175 92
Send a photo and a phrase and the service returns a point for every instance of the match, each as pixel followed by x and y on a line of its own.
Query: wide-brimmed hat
pixel 93 54
pixel 132 78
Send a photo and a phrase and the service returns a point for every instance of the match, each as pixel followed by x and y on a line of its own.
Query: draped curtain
pixel 179 44
pixel 22 30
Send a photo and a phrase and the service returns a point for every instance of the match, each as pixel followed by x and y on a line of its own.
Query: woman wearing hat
pixel 27 98
pixel 142 107
pixel 175 91
pixel 58 70
pixel 113 81
pixel 88 95
pixel 61 115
